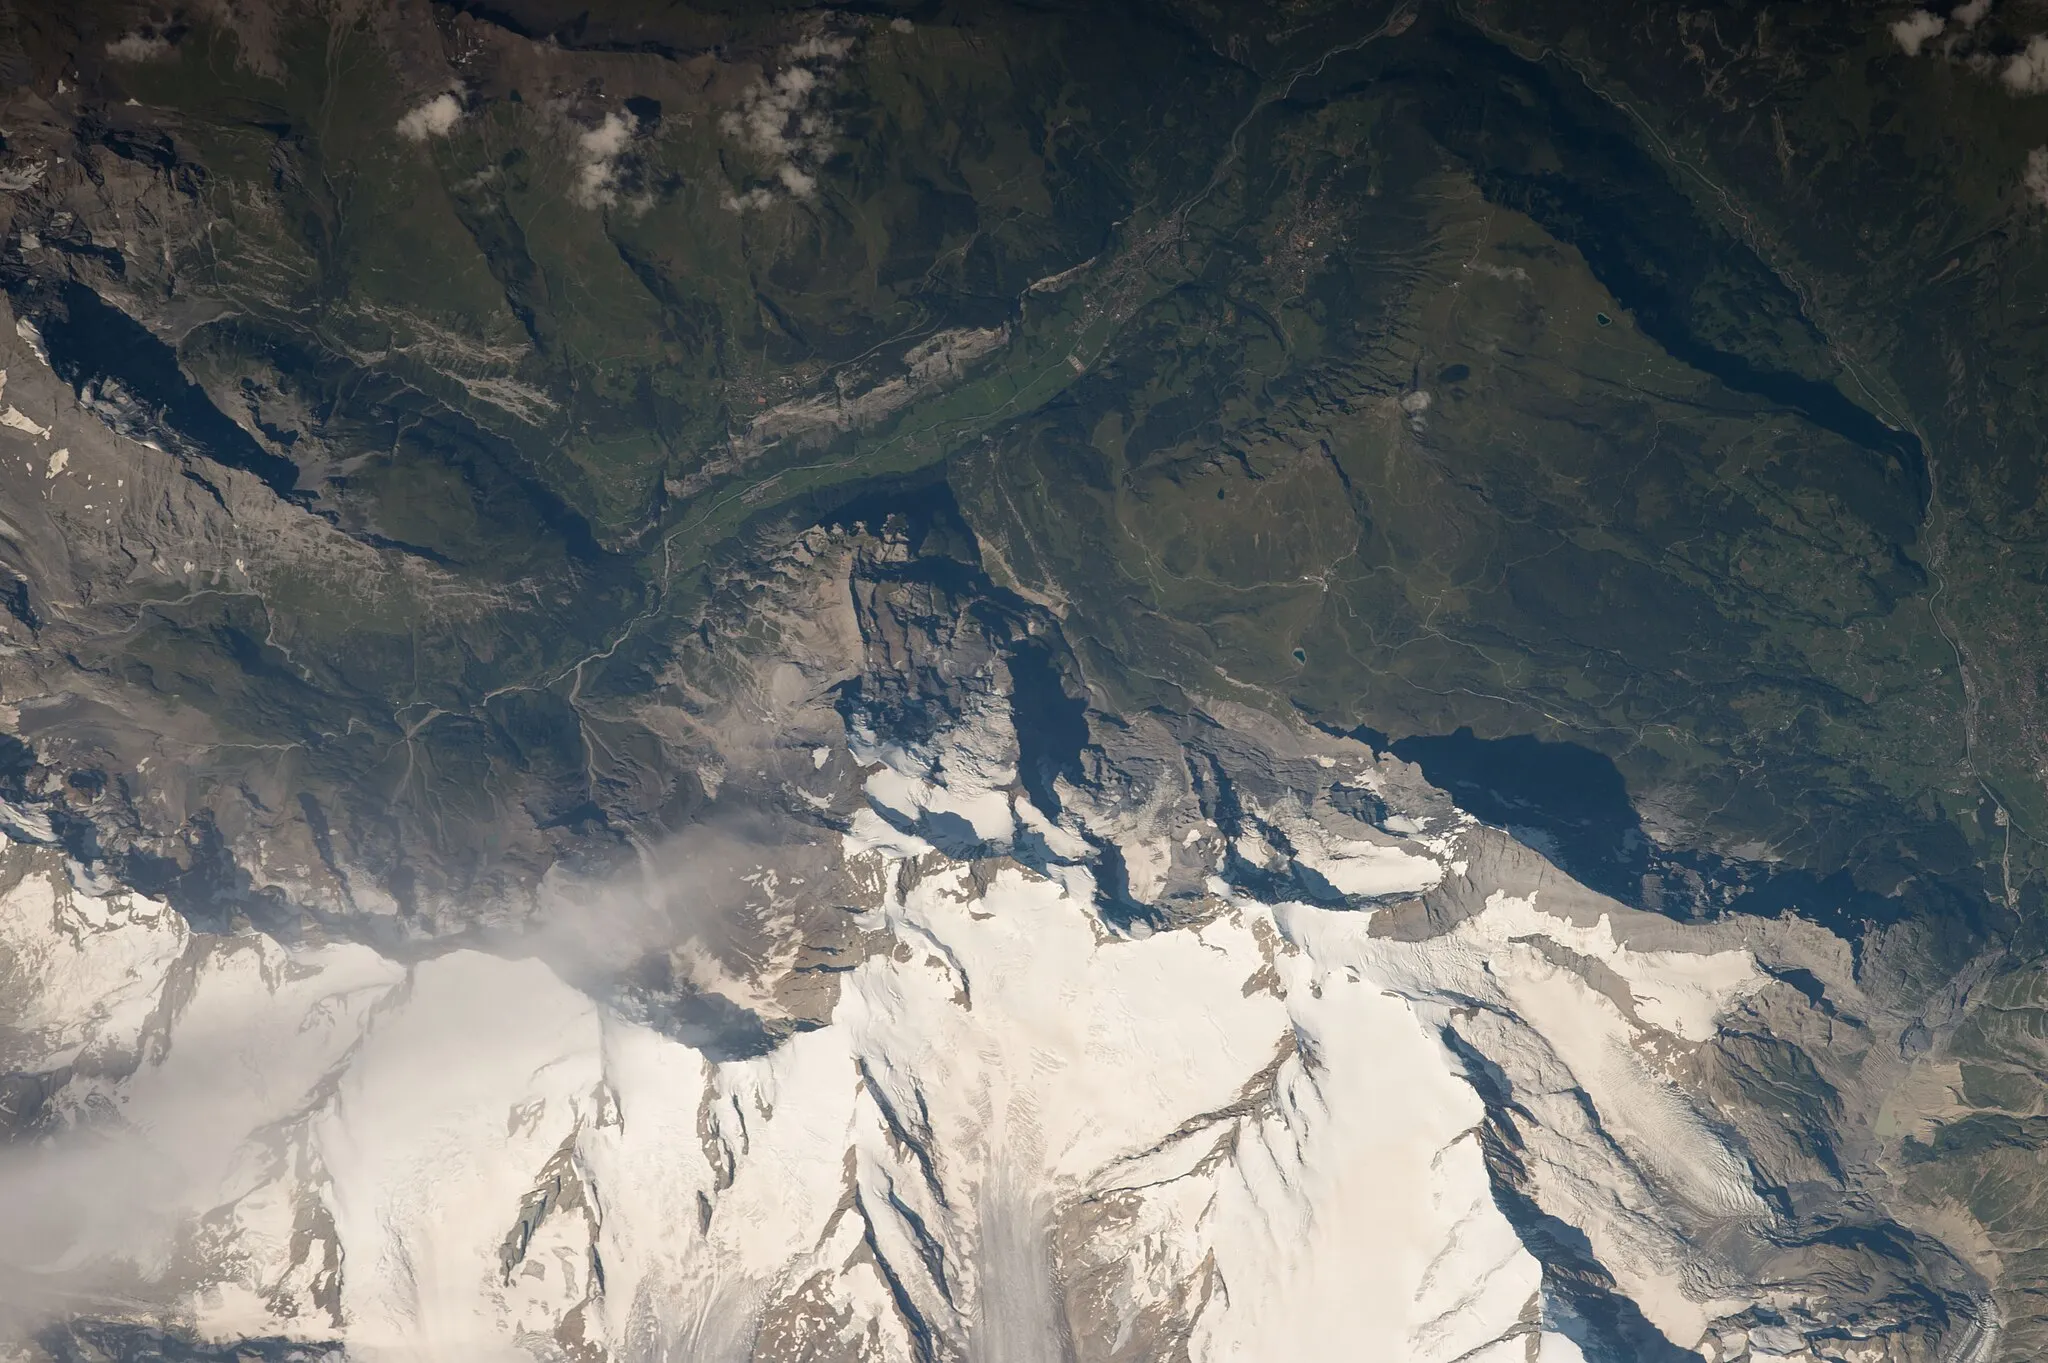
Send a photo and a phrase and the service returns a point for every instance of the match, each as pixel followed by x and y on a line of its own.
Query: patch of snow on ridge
pixel 1681 992
pixel 959 784
pixel 1366 866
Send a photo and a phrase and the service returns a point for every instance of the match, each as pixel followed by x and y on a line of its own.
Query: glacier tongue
pixel 1024 1134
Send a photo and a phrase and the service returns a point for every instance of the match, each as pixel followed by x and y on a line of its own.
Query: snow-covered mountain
pixel 1237 1041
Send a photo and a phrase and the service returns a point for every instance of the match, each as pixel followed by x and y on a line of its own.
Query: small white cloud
pixel 436 118
pixel 1913 31
pixel 753 200
pixel 597 176
pixel 821 48
pixel 1971 14
pixel 138 47
pixel 902 25
pixel 2035 177
pixel 2027 72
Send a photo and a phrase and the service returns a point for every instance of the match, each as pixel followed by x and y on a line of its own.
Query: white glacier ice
pixel 1024 1134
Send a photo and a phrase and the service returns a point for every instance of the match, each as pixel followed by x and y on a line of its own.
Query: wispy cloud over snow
pixel 436 118
pixel 781 118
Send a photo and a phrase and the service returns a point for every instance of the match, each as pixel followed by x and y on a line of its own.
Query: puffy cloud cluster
pixel 2023 73
pixel 597 172
pixel 2026 73
pixel 2035 177
pixel 436 118
pixel 781 118
pixel 1913 31
pixel 1920 27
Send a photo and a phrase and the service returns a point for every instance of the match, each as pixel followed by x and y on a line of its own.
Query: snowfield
pixel 1025 1133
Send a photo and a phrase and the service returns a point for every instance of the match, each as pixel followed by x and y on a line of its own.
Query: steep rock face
pixel 1245 1043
